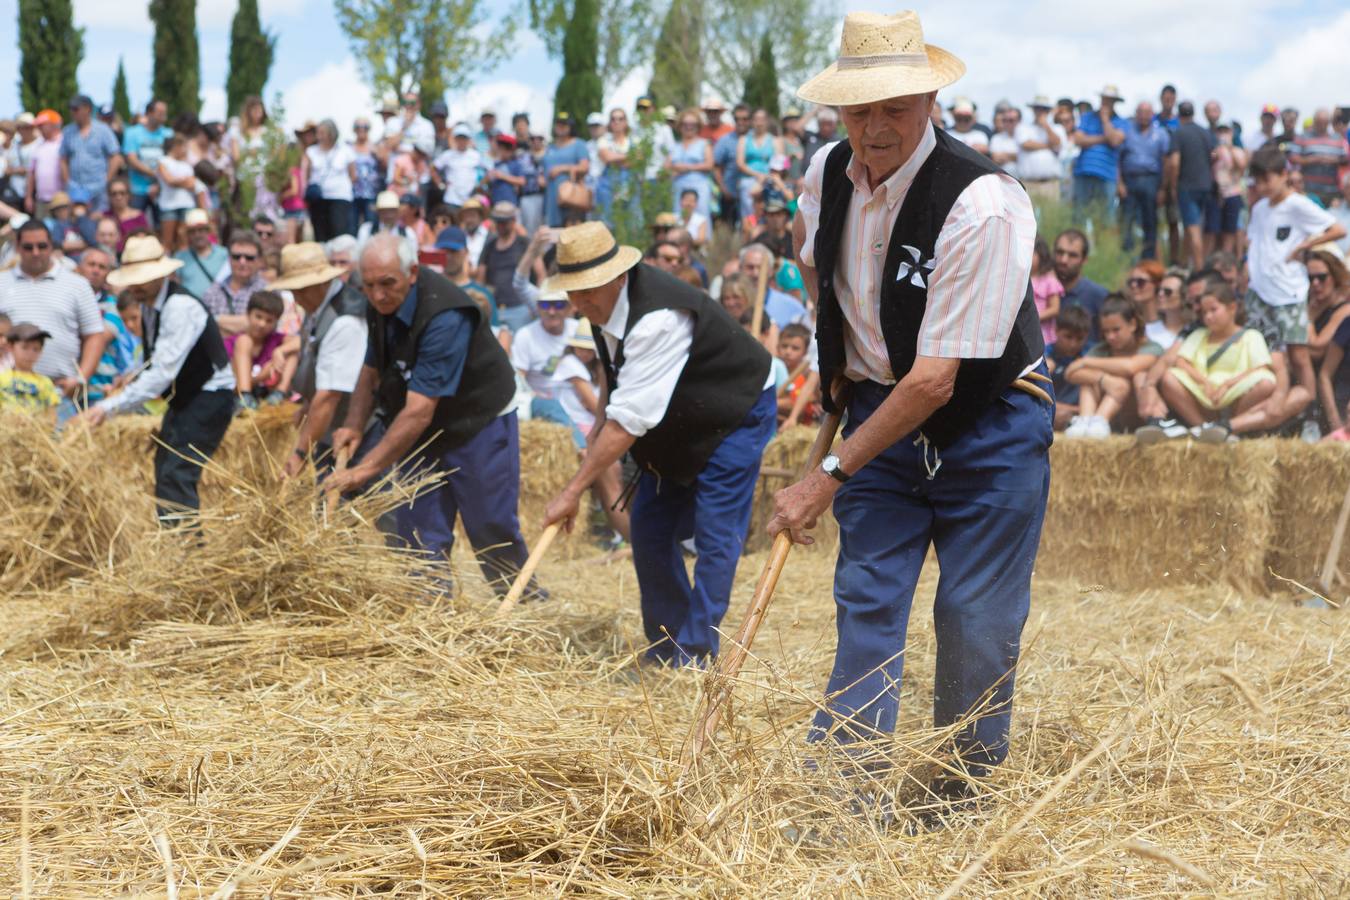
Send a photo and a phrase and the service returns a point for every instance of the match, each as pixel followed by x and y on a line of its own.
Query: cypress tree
pixel 51 48
pixel 431 80
pixel 177 76
pixel 580 92
pixel 251 50
pixel 677 64
pixel 121 102
pixel 761 82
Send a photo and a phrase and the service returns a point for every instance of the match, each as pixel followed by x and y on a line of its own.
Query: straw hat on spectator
pixel 304 265
pixel 386 200
pixel 584 339
pixel 143 260
pixel 882 55
pixel 588 256
pixel 196 218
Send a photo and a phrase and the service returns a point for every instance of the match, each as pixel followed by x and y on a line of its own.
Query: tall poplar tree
pixel 677 67
pixel 50 48
pixel 251 51
pixel 177 75
pixel 580 92
pixel 121 100
pixel 761 82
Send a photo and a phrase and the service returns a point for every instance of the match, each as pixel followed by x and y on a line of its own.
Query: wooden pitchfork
pixel 718 685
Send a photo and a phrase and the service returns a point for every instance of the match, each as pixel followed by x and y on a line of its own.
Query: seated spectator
pixel 20 386
pixel 260 369
pixel 1141 288
pixel 1173 313
pixel 203 259
pixel 1106 375
pixel 1045 288
pixel 1071 254
pixel 472 218
pixel 341 252
pixel 536 350
pixel 440 218
pixel 1071 334
pixel 735 299
pixel 693 221
pixel 1328 296
pixel 682 239
pixel 789 281
pixel 1221 373
pixel 778 306
pixel 388 217
pixel 575 380
pixel 793 343
pixel 227 297
pixel 58 219
pixel 665 255
pixel 776 234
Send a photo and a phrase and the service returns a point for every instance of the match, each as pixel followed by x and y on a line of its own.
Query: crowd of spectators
pixel 1233 320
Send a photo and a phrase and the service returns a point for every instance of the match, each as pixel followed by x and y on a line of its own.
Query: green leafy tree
pixel 251 52
pixel 581 92
pixel 677 68
pixel 624 31
pixel 50 48
pixel 761 82
pixel 429 45
pixel 177 75
pixel 805 38
pixel 121 101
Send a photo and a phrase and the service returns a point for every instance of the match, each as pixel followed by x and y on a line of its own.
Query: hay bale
pixel 1312 480
pixel 548 460
pixel 786 452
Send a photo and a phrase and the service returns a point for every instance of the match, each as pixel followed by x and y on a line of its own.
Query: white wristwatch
pixel 831 467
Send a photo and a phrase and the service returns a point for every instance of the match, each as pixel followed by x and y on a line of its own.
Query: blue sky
pixel 1241 52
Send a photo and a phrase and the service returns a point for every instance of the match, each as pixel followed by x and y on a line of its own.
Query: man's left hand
pixel 562 510
pixel 93 417
pixel 348 480
pixel 797 507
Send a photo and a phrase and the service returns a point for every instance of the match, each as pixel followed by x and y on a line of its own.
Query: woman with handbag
pixel 691 162
pixel 565 165
pixel 328 170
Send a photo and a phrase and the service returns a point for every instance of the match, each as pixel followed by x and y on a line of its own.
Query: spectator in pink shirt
pixel 46 181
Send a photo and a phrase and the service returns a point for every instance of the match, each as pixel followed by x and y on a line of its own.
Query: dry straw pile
pixel 292 710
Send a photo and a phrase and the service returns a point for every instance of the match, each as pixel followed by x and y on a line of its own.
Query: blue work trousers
pixel 680 619
pixel 980 502
pixel 1141 206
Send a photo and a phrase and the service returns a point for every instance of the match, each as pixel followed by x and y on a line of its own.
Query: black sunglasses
pixel 263 234
pixel 33 248
pixel 1136 282
pixel 244 256
pixel 552 304
pixel 1319 278
pixel 1167 292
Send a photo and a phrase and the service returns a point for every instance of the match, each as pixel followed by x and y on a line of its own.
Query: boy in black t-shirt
pixel 1072 327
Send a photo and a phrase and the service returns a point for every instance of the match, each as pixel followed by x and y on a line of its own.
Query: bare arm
pixel 232 324
pixel 319 417
pixel 242 363
pixel 403 434
pixel 1051 308
pixel 1113 135
pixel 1330 363
pixel 607 447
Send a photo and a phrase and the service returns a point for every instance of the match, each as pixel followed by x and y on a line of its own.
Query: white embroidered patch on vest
pixel 915 267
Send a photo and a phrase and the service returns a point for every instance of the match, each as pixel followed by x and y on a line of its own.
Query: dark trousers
pixel 330 218
pixel 680 619
pixel 980 502
pixel 189 437
pixel 482 487
pixel 1141 205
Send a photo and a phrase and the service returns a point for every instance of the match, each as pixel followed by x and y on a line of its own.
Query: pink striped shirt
pixel 979 279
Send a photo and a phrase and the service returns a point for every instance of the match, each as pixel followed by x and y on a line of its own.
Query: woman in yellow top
pixel 1221 373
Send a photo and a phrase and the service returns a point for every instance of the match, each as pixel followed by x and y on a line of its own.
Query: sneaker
pixel 1210 433
pixel 1077 427
pixel 1097 428
pixel 1312 432
pixel 245 402
pixel 1159 430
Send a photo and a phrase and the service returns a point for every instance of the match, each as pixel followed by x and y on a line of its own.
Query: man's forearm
pixel 315 425
pixel 926 388
pixel 408 426
pixel 232 324
pixel 607 449
pixel 363 400
pixel 91 351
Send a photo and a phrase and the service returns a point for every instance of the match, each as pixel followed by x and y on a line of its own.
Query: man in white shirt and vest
pixel 919 250
pixel 690 394
pixel 188 366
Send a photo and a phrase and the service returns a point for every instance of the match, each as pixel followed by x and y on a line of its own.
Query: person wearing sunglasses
pixel 227 299
pixel 366 186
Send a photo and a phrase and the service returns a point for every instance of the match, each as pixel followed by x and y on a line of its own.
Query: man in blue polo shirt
pixel 1143 157
pixel 1100 133
pixel 725 171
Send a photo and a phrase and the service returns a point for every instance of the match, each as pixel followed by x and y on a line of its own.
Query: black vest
pixel 724 377
pixel 485 388
pixel 947 172
pixel 348 302
pixel 205 357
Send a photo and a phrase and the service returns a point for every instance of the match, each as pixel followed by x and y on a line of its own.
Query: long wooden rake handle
pixel 526 571
pixel 718 685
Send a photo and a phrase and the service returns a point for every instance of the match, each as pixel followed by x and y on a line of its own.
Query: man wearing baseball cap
pixel 458 167
pixel 1096 171
pixel 1270 114
pixel 188 366
pixel 46 179
pixel 18 158
pixel 90 154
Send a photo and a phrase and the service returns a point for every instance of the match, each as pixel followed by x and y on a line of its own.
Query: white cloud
pixel 1303 70
pixel 335 91
pixel 109 15
pixel 213 104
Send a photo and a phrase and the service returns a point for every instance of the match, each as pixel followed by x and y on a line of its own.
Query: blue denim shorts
pixel 1192 205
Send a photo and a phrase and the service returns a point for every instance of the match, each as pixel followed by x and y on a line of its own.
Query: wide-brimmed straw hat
pixel 303 265
pixel 882 55
pixel 143 260
pixel 584 339
pixel 588 256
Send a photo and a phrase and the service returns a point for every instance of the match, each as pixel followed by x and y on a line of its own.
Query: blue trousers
pixel 980 502
pixel 680 619
pixel 1141 205
pixel 482 487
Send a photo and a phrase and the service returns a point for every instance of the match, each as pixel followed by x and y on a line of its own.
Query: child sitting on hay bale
pixel 1072 327
pixel 1106 375
pixel 793 407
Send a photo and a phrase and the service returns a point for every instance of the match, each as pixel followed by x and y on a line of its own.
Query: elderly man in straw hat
pixel 690 393
pixel 333 346
pixel 919 252
pixel 188 366
pixel 443 387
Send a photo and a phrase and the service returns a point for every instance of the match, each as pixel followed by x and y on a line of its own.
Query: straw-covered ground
pixel 287 709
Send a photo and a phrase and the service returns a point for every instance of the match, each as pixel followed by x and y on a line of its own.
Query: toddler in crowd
pixel 793 343
pixel 1072 327
pixel 1221 370
pixel 21 387
pixel 1046 289
pixel 260 369
pixel 1106 374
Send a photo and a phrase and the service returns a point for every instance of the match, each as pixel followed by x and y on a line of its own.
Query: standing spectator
pixel 691 220
pixel 1230 166
pixel 487 132
pixel 1289 134
pixel 413 126
pixel 1320 153
pixel 1038 145
pixel 46 178
pixel 506 177
pixel 520 127
pixel 1143 159
pixel 439 114
pixel 1341 212
pixel 1167 108
pixel 203 259
pixel 1100 134
pixel 1069 151
pixel 1071 253
pixel 90 155
pixel 714 129
pixel 42 291
pixel 129 219
pixel 1003 148
pixel 227 298
pixel 1045 289
pixel 595 127
pixel 753 153
pixel 460 167
pixel 691 162
pixel 776 234
pixel 532 191
pixel 964 127
pixel 827 128
pixel 727 171
pixel 177 185
pixel 565 160
pixel 144 147
pixel 614 180
pixel 1192 173
pixel 386 219
pixel 497 265
pixel 329 172
pixel 368 181
pixel 19 159
pixel 1270 114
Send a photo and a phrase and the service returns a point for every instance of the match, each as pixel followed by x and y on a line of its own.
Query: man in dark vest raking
pixel 690 395
pixel 332 350
pixel 187 365
pixel 441 387
pixel 919 252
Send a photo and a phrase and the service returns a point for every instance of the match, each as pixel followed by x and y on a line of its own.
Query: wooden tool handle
pixel 526 571
pixel 344 456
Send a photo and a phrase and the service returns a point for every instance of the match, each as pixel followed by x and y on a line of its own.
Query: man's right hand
pixel 346 438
